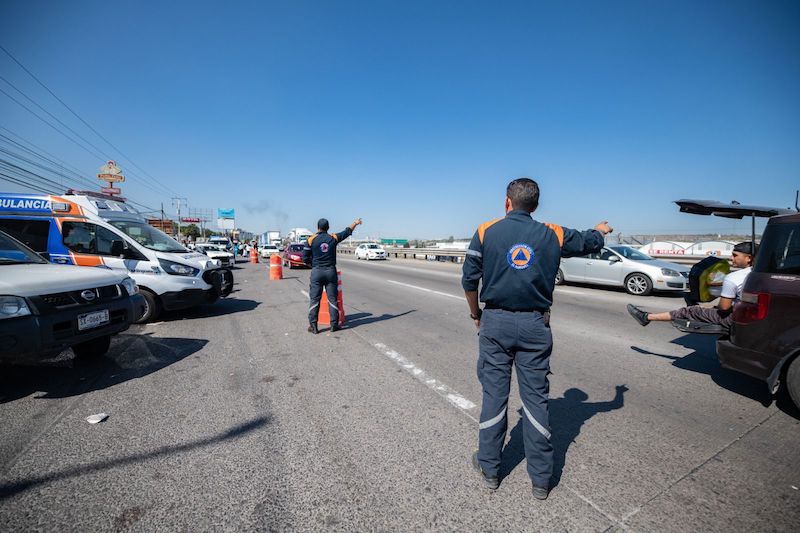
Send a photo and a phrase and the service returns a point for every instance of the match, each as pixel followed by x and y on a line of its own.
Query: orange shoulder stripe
pixel 311 239
pixel 486 225
pixel 558 230
pixel 335 238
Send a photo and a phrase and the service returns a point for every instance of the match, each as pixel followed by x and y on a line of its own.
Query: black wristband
pixel 476 316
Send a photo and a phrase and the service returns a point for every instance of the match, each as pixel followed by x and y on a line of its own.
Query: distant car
pixel 268 250
pixel 765 338
pixel 370 251
pixel 293 255
pixel 223 241
pixel 624 266
pixel 215 251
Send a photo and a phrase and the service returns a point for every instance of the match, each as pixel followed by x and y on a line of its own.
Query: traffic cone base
pixel 324 317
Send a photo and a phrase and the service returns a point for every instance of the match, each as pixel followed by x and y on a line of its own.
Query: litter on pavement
pixel 94 419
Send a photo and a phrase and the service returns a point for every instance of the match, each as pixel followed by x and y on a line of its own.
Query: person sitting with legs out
pixel 742 258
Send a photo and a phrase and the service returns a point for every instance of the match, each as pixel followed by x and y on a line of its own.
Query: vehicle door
pixel 574 268
pixel 604 268
pixel 94 245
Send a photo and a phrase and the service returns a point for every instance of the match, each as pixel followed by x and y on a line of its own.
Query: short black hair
pixel 322 224
pixel 524 194
pixel 746 247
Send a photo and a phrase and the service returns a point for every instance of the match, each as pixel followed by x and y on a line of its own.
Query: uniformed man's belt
pixel 542 311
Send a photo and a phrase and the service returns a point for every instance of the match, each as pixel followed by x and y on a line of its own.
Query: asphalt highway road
pixel 232 417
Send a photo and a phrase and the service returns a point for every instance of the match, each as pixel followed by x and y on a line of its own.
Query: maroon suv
pixel 765 339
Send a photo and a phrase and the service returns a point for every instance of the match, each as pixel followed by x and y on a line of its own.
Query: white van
pixel 90 229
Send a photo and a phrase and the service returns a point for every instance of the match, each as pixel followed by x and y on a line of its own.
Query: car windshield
pixel 373 246
pixel 13 252
pixel 629 253
pixel 296 248
pixel 149 237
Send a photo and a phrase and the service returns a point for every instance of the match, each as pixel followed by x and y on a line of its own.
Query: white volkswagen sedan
pixel 626 267
pixel 370 251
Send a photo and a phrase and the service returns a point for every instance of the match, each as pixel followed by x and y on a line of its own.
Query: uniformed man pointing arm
pixel 320 254
pixel 515 260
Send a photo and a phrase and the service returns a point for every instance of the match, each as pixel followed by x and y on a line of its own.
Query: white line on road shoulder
pixel 466 406
pixel 426 290
pixel 304 293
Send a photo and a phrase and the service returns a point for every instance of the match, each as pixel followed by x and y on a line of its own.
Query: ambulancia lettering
pixel 25 204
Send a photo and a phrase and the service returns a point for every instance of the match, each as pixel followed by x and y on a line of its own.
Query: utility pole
pixel 178 201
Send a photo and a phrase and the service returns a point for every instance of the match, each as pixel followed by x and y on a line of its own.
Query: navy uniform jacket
pixel 518 259
pixel 320 249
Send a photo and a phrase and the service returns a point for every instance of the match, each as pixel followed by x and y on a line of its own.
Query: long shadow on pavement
pixel 9 489
pixel 703 360
pixel 130 356
pixel 567 416
pixel 222 307
pixel 363 318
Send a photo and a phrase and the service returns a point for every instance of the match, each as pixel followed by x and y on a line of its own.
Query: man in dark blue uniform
pixel 516 259
pixel 320 254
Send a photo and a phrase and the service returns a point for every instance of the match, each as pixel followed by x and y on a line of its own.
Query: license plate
pixel 92 320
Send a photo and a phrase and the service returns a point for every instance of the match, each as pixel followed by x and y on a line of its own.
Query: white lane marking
pixel 304 293
pixel 466 406
pixel 426 290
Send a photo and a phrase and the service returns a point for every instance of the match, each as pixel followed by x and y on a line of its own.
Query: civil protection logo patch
pixel 520 256
pixel 324 247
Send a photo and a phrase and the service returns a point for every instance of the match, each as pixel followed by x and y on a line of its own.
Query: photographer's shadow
pixel 567 416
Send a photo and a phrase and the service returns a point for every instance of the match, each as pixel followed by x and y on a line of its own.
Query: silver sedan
pixel 627 267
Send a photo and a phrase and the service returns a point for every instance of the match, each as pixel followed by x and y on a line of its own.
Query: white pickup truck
pixel 47 308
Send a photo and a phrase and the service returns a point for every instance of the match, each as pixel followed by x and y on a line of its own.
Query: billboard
pixel 226 213
pixel 225 223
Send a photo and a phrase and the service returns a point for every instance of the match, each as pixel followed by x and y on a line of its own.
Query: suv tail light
pixel 752 307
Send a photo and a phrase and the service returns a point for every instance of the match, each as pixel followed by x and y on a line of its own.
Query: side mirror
pixel 117 248
pixel 614 259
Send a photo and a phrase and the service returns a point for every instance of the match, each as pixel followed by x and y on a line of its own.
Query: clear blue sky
pixel 416 114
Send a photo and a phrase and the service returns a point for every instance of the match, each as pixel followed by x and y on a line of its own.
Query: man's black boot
pixel 335 327
pixel 491 482
pixel 639 315
pixel 540 493
pixel 313 328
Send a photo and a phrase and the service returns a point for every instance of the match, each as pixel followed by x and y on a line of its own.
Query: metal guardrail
pixel 457 256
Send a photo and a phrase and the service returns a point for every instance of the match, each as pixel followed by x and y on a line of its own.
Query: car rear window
pixel 779 252
pixel 296 248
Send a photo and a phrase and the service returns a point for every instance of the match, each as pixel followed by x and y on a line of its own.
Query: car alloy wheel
pixel 638 285
pixel 559 277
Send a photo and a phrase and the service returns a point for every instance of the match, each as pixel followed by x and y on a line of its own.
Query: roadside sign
pixel 111 173
pixel 191 220
pixel 111 190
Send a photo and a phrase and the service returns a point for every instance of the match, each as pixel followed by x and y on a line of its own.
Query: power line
pixel 32 112
pixel 84 122
pixel 54 159
pixel 10 179
pixel 102 156
pixel 61 163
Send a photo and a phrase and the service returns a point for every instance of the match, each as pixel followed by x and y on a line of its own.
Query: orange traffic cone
pixel 253 255
pixel 324 318
pixel 275 267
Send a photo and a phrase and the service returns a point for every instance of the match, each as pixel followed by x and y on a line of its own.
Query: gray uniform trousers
pixel 323 277
pixel 522 339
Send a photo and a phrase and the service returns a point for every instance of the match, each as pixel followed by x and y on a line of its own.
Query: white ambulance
pixel 91 229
